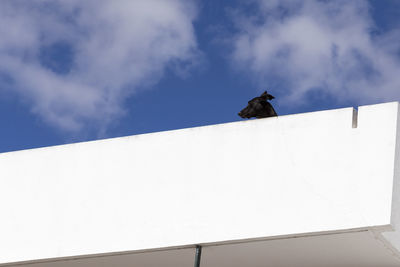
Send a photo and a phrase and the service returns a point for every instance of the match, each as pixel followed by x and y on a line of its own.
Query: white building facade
pixel 313 189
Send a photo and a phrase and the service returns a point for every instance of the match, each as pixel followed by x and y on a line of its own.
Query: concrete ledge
pixel 312 174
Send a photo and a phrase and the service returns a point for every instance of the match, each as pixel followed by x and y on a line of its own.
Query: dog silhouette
pixel 259 107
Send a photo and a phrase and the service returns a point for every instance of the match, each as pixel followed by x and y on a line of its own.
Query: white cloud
pixel 110 49
pixel 328 47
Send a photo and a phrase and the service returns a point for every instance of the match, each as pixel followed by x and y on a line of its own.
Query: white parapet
pixel 330 178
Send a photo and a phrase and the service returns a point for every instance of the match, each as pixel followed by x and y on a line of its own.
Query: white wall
pixel 289 175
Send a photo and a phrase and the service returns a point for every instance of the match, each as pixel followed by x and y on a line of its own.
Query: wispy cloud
pixel 329 47
pixel 76 61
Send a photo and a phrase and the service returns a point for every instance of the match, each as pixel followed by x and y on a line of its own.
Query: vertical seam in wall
pixel 393 237
pixel 355 118
pixel 396 173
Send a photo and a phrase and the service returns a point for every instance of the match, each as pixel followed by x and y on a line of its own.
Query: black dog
pixel 259 107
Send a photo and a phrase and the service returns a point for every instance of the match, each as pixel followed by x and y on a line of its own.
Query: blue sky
pixel 74 71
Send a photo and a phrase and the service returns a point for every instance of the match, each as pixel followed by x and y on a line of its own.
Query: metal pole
pixel 197 256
